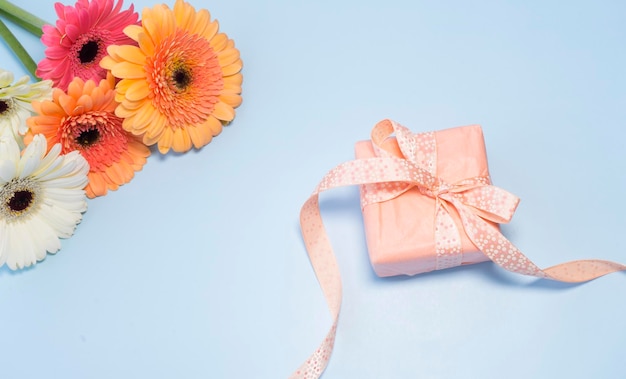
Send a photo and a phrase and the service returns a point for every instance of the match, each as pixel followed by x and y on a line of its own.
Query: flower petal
pixel 128 70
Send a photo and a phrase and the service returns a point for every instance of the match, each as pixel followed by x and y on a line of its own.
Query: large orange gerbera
pixel 183 81
pixel 83 119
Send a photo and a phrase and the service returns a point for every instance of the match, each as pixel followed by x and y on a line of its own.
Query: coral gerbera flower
pixel 41 200
pixel 80 39
pixel 15 99
pixel 83 119
pixel 183 81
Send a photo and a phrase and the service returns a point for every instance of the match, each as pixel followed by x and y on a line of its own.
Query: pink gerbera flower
pixel 80 40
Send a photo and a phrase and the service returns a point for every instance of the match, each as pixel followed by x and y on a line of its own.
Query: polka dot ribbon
pixel 388 176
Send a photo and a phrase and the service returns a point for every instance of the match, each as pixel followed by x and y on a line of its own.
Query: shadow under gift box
pixel 400 232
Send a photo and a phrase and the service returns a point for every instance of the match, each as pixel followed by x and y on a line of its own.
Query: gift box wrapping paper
pixel 400 231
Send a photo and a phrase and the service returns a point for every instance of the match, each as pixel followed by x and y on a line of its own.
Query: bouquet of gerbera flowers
pixel 111 85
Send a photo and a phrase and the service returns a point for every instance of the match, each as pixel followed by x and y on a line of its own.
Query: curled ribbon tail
pixel 325 266
pixel 318 246
pixel 582 270
pixel 502 252
pixel 321 253
pixel 313 367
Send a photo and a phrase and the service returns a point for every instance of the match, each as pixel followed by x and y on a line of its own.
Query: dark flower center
pixel 88 52
pixel 88 137
pixel 4 106
pixel 20 200
pixel 182 78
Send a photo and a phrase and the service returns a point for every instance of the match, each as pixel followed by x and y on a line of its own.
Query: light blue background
pixel 196 269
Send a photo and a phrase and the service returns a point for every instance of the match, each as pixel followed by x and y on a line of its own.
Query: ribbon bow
pixel 477 202
pixel 475 196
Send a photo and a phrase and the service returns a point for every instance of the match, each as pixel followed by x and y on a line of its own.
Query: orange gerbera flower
pixel 183 81
pixel 83 119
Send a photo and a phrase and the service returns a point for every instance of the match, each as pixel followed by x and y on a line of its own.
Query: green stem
pixel 22 18
pixel 18 49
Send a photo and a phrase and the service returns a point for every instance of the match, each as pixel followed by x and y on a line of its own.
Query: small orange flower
pixel 183 81
pixel 83 119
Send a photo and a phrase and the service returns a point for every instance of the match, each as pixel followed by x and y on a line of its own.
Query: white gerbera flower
pixel 15 102
pixel 41 199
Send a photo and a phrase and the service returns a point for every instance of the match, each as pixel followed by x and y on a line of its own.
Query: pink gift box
pixel 400 232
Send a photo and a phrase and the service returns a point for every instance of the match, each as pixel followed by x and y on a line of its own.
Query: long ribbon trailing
pixel 473 199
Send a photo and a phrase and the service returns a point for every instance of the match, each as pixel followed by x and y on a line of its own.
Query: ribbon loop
pixel 489 202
